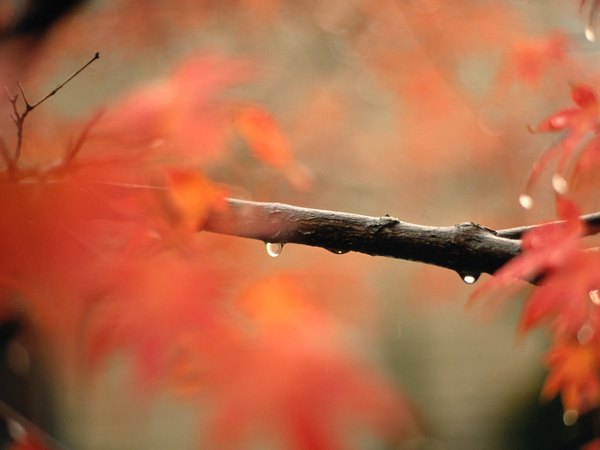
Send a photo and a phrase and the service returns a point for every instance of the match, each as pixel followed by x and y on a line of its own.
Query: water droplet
pixel 469 278
pixel 570 417
pixel 337 251
pixel 559 184
pixel 595 296
pixel 526 201
pixel 274 249
pixel 589 34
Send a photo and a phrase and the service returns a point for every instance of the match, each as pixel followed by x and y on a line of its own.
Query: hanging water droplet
pixel 589 33
pixel 526 201
pixel 337 251
pixel 559 184
pixel 470 277
pixel 570 417
pixel 595 296
pixel 274 249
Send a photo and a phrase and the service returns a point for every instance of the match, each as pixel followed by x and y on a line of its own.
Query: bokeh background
pixel 414 108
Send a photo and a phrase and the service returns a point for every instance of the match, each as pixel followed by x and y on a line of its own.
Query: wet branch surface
pixel 467 248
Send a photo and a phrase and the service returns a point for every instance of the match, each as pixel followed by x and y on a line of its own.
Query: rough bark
pixel 467 248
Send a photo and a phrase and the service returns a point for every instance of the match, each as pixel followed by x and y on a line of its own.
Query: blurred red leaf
pixel 174 295
pixel 28 443
pixel 592 445
pixel 576 123
pixel 529 58
pixel 564 297
pixel 184 113
pixel 269 143
pixel 263 135
pixel 544 250
pixel 298 381
pixel 567 274
pixel 190 197
pixel 574 369
pixel 567 298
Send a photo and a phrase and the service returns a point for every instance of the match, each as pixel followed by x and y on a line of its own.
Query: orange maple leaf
pixel 263 135
pixel 173 295
pixel 293 381
pixel 269 143
pixel 574 373
pixel 183 113
pixel 189 198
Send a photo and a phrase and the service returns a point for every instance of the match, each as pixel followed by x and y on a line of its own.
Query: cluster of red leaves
pixel 290 376
pixel 565 271
pixel 578 125
pixel 100 254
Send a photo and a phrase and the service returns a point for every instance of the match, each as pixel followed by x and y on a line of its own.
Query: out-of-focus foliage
pixel 102 252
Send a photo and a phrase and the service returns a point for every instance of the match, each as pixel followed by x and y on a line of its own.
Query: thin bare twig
pixel 61 85
pixel 19 117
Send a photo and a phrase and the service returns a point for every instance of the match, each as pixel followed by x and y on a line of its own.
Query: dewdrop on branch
pixel 469 278
pixel 274 249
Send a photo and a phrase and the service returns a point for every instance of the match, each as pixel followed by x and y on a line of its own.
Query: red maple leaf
pixel 576 123
pixel 189 198
pixel 565 271
pixel 544 250
pixel 263 135
pixel 269 143
pixel 290 380
pixel 175 295
pixel 184 113
pixel 567 298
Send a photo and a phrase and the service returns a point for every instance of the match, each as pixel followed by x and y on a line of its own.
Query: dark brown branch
pixel 466 248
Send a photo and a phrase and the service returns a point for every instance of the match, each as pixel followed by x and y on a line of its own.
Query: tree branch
pixel 592 222
pixel 466 248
